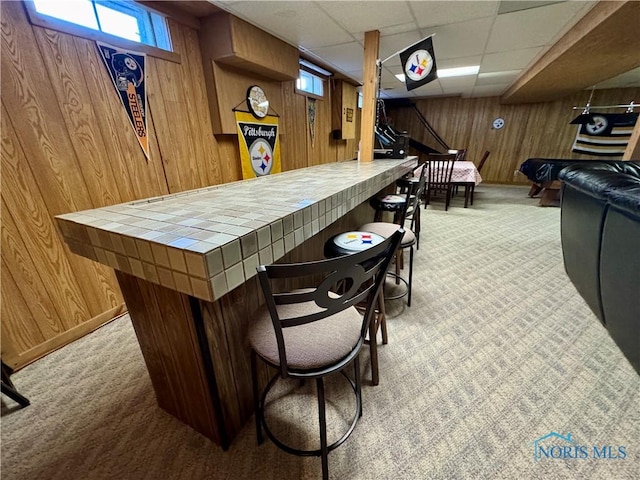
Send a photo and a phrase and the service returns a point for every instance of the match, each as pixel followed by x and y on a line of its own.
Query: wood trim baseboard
pixel 29 356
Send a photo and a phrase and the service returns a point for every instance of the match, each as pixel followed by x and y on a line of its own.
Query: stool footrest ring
pixel 308 453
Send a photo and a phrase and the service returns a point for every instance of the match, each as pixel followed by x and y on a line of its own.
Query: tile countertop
pixel 208 241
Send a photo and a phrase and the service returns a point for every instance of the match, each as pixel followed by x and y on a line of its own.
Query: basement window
pixel 123 19
pixel 309 83
pixel 311 79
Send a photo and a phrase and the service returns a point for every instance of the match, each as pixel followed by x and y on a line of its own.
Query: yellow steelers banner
pixel 259 145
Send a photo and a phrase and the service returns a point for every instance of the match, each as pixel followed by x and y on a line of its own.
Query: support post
pixel 369 94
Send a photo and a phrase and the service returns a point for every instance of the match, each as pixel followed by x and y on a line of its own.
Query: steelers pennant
pixel 419 64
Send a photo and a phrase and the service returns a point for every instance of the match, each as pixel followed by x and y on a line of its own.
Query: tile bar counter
pixel 186 264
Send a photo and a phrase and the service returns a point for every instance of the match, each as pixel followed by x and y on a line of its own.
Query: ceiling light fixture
pixel 458 72
pixel 450 72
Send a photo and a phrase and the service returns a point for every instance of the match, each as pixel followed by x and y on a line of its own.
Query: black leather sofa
pixel 600 232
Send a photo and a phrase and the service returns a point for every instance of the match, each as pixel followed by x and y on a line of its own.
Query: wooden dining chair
pixel 439 171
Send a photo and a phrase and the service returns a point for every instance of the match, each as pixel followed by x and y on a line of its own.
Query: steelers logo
pixel 597 125
pixel 130 63
pixel 419 65
pixel 261 157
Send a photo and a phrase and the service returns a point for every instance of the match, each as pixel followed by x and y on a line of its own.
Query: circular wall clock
pixel 257 102
pixel 498 123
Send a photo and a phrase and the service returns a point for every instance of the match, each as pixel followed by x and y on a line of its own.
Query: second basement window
pixel 310 83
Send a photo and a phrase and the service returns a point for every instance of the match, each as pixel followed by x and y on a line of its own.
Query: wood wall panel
pixel 531 130
pixel 15 338
pixel 294 141
pixel 62 62
pixel 18 264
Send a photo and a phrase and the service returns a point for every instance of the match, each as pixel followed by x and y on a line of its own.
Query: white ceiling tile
pixel 394 29
pixel 460 39
pixel 346 57
pixel 452 85
pixel 392 44
pixel 396 94
pixel 431 88
pixel 429 14
pixel 511 60
pixel 299 23
pixel 459 62
pixel 361 16
pixel 532 28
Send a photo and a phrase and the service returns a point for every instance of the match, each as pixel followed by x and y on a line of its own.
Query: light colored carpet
pixel 497 350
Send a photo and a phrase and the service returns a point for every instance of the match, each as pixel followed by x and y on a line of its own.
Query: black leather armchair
pixel 600 231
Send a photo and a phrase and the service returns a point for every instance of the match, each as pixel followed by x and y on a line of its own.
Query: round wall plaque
pixel 498 123
pixel 257 102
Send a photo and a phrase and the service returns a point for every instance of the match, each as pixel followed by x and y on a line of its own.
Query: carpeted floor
pixel 497 351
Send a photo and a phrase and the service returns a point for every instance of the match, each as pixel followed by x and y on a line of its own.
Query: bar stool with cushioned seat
pixel 416 188
pixel 348 243
pixel 312 333
pixel 386 229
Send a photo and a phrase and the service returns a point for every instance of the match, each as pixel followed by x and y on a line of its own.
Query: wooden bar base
pixel 197 352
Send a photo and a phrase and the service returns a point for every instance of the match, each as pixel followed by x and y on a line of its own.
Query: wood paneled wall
pixel 67 145
pixel 531 130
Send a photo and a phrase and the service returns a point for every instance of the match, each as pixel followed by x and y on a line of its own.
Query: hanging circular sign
pixel 419 65
pixel 498 123
pixel 257 102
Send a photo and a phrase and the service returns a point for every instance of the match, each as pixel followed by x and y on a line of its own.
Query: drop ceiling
pixel 504 37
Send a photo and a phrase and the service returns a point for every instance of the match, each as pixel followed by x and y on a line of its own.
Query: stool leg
pixel 410 275
pixel 356 367
pixel 13 394
pixel 383 318
pixel 256 401
pixel 373 351
pixel 323 429
pixel 416 215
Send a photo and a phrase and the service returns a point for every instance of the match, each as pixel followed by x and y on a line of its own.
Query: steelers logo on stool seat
pixel 357 241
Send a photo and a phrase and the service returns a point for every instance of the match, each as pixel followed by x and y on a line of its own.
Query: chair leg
pixel 383 318
pixel 9 389
pixel 356 367
pixel 322 416
pixel 373 352
pixel 410 275
pixel 473 188
pixel 256 400
pixel 14 395
pixel 416 214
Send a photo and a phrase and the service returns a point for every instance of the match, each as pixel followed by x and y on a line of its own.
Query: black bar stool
pixel 348 243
